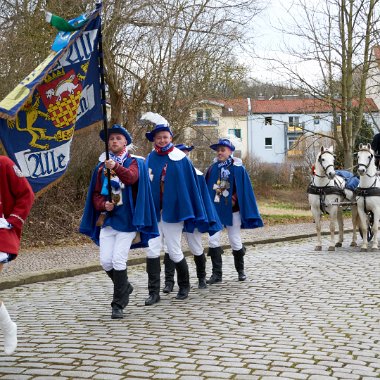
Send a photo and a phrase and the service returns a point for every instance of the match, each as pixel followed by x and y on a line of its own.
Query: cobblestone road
pixel 300 315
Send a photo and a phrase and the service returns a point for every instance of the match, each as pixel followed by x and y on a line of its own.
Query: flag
pixel 62 95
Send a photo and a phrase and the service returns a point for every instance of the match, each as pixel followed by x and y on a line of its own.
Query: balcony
pixel 205 122
pixel 295 128
pixel 295 153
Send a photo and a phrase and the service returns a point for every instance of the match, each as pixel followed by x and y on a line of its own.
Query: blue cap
pixel 116 128
pixel 158 128
pixel 223 142
pixel 189 148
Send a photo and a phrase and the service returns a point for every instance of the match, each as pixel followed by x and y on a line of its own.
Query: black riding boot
pixel 200 263
pixel 153 268
pixel 169 274
pixel 110 275
pixel 216 260
pixel 239 263
pixel 182 279
pixel 121 292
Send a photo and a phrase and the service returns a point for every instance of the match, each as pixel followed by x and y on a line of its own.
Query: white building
pixel 270 129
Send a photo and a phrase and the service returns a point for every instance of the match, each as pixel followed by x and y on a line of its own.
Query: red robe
pixel 16 199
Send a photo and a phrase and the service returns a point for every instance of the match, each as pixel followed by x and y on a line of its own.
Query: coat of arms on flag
pixel 60 96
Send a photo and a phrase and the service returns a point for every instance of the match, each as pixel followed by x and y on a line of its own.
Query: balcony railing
pixel 295 152
pixel 295 127
pixel 205 122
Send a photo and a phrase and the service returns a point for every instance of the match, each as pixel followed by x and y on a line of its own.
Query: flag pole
pixel 103 96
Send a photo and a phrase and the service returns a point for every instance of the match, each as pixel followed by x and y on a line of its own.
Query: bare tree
pixel 161 55
pixel 337 36
pixel 166 55
pixel 25 37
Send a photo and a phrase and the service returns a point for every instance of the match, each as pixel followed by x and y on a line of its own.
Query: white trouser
pixel 194 240
pixel 233 231
pixel 172 233
pixel 114 248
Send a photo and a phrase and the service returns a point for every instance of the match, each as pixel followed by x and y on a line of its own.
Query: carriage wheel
pixel 370 220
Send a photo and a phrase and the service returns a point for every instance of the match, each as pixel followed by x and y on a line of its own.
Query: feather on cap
pixel 161 124
pixel 154 118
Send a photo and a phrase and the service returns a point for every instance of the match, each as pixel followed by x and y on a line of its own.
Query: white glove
pixel 4 224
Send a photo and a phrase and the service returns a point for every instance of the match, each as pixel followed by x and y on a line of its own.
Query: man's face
pixel 223 153
pixel 162 138
pixel 116 142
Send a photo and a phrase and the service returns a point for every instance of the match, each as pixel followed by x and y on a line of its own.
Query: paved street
pixel 301 315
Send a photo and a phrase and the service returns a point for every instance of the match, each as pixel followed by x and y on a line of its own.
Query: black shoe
pixel 242 276
pixel 182 294
pixel 202 283
pixel 152 299
pixel 213 280
pixel 117 312
pixel 168 288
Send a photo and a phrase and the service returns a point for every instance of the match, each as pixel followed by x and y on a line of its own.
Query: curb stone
pixel 55 274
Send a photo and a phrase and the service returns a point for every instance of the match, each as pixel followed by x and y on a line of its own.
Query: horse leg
pixel 375 229
pixel 355 223
pixel 317 219
pixel 364 228
pixel 333 217
pixel 340 226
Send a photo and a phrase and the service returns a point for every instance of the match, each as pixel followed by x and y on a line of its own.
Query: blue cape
pixel 144 217
pixel 213 224
pixel 239 181
pixel 352 182
pixel 182 200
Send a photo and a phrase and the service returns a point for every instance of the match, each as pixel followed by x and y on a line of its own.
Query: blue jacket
pixel 181 199
pixel 240 182
pixel 138 217
pixel 213 224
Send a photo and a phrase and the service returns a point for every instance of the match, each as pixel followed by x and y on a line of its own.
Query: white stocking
pixel 10 330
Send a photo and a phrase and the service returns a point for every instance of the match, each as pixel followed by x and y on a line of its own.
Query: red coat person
pixel 16 200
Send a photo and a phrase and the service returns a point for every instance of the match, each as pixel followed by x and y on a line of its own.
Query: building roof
pixel 240 106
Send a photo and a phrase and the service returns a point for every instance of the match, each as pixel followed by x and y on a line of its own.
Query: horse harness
pixel 367 192
pixel 322 191
pixel 371 191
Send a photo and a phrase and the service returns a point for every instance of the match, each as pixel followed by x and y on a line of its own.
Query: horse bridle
pixel 371 156
pixel 324 168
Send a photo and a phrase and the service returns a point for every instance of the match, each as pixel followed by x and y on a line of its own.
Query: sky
pixel 268 42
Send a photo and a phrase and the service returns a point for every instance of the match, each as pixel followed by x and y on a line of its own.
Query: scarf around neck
pixel 120 157
pixel 164 150
pixel 225 164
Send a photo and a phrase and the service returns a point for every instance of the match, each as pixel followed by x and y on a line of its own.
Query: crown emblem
pixel 54 75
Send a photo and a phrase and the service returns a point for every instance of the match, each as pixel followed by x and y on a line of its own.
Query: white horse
pixel 326 193
pixel 368 194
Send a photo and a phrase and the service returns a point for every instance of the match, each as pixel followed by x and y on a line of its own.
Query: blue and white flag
pixel 39 117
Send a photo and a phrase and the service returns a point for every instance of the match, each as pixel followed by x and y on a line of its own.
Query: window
pixel 208 115
pixel 235 132
pixel 268 120
pixel 199 115
pixel 317 118
pixel 294 121
pixel 268 142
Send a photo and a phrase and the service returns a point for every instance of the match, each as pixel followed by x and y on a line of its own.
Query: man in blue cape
pixel 231 191
pixel 193 232
pixel 123 221
pixel 177 202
